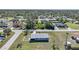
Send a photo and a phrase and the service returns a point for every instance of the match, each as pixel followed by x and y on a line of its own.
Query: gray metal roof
pixel 4 20
pixel 38 35
pixel 60 24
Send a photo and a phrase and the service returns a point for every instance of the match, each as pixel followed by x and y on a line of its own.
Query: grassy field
pixel 28 46
pixel 73 26
pixel 10 18
pixel 57 38
pixel 6 39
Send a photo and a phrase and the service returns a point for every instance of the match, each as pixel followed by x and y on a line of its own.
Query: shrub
pixel 7 31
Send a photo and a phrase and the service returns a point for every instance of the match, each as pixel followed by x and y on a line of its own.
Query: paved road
pixel 10 41
pixel 71 30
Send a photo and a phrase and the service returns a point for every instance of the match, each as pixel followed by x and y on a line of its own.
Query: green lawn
pixel 20 39
pixel 6 39
pixel 57 38
pixel 73 26
pixel 26 45
pixel 10 18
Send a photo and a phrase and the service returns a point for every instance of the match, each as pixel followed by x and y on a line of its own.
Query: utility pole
pixel 66 40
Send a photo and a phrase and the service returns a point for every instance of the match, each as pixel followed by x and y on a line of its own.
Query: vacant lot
pixel 24 40
pixel 55 38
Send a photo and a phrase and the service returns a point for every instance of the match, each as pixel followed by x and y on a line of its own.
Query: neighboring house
pixel 70 20
pixel 61 25
pixel 54 20
pixel 41 17
pixel 19 17
pixel 16 23
pixel 39 37
pixel 74 40
pixel 3 23
pixel 44 18
pixel 75 36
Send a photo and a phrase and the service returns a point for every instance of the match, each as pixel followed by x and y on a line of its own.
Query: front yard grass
pixel 6 39
pixel 73 25
pixel 20 39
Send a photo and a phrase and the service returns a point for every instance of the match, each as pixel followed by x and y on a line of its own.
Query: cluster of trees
pixel 35 13
pixel 1 33
pixel 63 20
pixel 7 31
pixel 32 15
pixel 39 25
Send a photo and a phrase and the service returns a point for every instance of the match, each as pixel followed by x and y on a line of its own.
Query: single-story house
pixel 74 39
pixel 75 36
pixel 3 23
pixel 16 23
pixel 19 17
pixel 52 19
pixel 39 37
pixel 61 25
pixel 41 17
pixel 71 20
pixel 44 18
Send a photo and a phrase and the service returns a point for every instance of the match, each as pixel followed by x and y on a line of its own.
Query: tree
pixel 63 20
pixel 1 33
pixel 77 18
pixel 19 45
pixel 39 25
pixel 7 31
pixel 54 45
pixel 49 25
pixel 30 23
pixel 25 32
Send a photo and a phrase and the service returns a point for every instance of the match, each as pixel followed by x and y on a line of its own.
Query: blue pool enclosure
pixel 39 37
pixel 1 38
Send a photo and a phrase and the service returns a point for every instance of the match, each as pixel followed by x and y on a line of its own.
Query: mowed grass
pixel 72 25
pixel 6 39
pixel 57 38
pixel 20 39
pixel 26 45
pixel 10 18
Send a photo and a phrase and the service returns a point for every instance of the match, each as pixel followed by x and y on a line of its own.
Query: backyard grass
pixel 6 39
pixel 73 25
